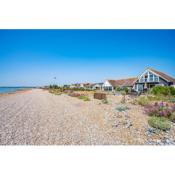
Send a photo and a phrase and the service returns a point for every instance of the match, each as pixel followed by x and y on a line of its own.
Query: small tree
pixel 126 90
pixel 117 88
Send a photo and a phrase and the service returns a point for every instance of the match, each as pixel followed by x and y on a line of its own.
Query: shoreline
pixel 15 92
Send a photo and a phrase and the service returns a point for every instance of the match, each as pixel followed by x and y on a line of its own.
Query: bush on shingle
pixel 159 110
pixel 163 90
pixel 159 123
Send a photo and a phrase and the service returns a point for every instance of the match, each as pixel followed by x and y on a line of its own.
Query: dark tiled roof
pixel 123 82
pixel 163 75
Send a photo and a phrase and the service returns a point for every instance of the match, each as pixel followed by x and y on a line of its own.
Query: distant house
pixel 74 85
pixel 110 85
pixel 87 85
pixel 148 79
pixel 97 86
pixel 81 85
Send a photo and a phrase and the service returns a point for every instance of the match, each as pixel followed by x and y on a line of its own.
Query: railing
pixel 143 80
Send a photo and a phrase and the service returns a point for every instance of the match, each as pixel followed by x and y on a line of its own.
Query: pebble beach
pixel 37 117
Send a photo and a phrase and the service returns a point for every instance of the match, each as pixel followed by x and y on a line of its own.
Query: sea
pixel 4 90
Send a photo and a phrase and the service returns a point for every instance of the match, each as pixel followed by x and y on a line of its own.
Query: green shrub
pixel 159 123
pixel 54 86
pixel 172 91
pixel 143 101
pixel 122 108
pixel 157 97
pixel 151 97
pixel 117 88
pixel 161 90
pixel 85 98
pixel 55 91
pixel 126 90
pixel 172 117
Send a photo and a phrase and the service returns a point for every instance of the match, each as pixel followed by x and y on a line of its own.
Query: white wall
pixel 107 84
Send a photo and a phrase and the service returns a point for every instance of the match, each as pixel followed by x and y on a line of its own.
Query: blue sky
pixel 35 57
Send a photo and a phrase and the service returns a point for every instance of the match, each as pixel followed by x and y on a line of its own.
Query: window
pixel 142 79
pixel 156 78
pixel 151 77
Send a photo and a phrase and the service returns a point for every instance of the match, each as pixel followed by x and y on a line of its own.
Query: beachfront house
pixel 111 85
pixel 77 85
pixel 148 79
pixel 97 86
pixel 87 85
pixel 81 85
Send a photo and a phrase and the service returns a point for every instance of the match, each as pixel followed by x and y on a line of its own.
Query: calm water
pixel 11 89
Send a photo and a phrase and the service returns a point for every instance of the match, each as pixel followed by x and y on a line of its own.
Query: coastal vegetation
pixel 163 90
pixel 122 90
pixel 143 100
pixel 156 94
pixel 79 96
pixel 159 123
pixel 161 114
pixel 158 102
pixel 67 87
pixel 73 92
pixel 122 108
pixel 55 91
pixel 84 98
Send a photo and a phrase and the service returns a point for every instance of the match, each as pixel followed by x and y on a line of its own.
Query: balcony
pixel 149 80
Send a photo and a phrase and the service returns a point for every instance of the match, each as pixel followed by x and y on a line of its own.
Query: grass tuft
pixel 143 101
pixel 159 123
pixel 85 98
pixel 122 108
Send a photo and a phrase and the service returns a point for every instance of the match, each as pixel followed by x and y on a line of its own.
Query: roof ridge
pixel 162 74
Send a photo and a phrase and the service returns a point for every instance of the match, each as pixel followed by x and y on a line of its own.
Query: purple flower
pixel 164 113
pixel 160 110
pixel 161 104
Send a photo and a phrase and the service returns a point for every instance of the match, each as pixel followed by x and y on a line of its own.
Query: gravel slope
pixel 37 117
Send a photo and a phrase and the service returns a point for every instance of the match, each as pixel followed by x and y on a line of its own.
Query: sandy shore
pixel 37 117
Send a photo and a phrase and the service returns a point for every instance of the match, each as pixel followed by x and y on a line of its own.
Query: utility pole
pixel 55 80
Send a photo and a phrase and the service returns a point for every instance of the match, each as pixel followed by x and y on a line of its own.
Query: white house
pixel 97 86
pixel 110 85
